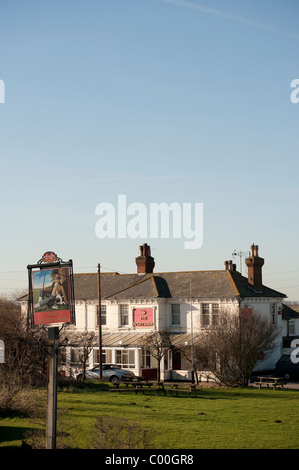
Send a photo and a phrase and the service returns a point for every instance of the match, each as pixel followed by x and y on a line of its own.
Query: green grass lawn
pixel 217 418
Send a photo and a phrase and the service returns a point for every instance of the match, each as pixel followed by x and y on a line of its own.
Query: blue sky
pixel 162 101
pixel 41 278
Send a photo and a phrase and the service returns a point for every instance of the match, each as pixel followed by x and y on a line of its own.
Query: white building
pixel 180 303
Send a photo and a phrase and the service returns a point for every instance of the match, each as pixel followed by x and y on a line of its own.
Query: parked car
pixel 286 368
pixel 111 372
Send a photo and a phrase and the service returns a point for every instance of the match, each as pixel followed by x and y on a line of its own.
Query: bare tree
pixel 157 344
pixel 84 343
pixel 232 348
pixel 113 433
pixel 25 358
pixel 194 355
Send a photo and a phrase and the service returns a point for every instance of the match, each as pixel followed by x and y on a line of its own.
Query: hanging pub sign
pixel 51 291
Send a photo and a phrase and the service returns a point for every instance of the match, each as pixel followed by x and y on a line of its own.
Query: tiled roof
pixel 204 284
pixel 244 290
pixel 288 312
pixel 207 285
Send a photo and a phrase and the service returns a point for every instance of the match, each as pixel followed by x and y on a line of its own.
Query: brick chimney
pixel 229 266
pixel 145 262
pixel 255 264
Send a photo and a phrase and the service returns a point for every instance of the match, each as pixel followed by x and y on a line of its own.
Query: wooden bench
pixel 160 388
pixel 175 389
pixel 135 386
pixel 132 383
pixel 120 382
pixel 135 378
pixel 272 382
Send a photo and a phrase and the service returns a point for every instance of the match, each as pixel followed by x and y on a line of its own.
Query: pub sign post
pixel 51 301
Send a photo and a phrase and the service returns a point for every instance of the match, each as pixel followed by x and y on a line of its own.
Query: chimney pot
pixel 145 262
pixel 255 264
pixel 229 266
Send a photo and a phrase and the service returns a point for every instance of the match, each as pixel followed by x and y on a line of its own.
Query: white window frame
pixel 292 327
pixel 124 314
pixel 205 315
pixel 146 359
pixel 103 315
pixel 215 313
pixel 106 356
pixel 122 354
pixel 175 314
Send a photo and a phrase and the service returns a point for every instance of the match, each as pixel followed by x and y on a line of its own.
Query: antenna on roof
pixel 240 254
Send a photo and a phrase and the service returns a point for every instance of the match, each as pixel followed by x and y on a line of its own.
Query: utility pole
pixel 49 269
pixel 100 323
pixel 53 337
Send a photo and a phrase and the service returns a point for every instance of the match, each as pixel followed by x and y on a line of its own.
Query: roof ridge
pixel 157 273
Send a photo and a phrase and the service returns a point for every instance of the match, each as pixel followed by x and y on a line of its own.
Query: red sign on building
pixel 143 317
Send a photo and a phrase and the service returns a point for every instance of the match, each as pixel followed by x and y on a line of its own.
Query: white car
pixel 111 372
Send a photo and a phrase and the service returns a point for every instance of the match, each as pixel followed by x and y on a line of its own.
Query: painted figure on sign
pixel 53 295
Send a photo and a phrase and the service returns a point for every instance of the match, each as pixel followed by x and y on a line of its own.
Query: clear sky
pixel 161 101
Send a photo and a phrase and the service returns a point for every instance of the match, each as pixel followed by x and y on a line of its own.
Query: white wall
pixel 86 312
pixel 261 306
pixel 86 317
